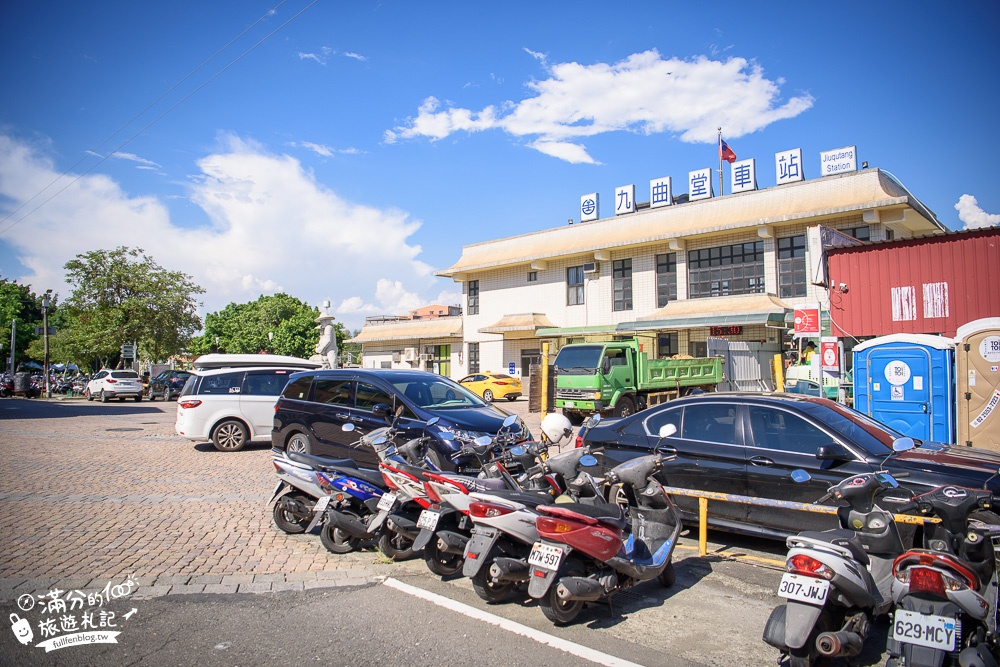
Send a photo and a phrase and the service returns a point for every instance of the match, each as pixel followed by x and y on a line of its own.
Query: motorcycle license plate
pixel 321 504
pixel 386 501
pixel 803 589
pixel 937 632
pixel 428 520
pixel 545 556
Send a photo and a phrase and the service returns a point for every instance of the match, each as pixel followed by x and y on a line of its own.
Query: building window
pixel 532 276
pixel 622 275
pixel 792 266
pixel 726 270
pixel 666 279
pixel 666 345
pixel 860 233
pixel 574 286
pixel 889 235
pixel 473 357
pixel 473 297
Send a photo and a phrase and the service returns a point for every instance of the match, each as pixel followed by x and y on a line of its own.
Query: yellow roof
pixel 823 197
pixel 440 327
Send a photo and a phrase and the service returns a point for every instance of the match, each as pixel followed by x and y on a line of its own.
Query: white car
pixel 230 406
pixel 107 384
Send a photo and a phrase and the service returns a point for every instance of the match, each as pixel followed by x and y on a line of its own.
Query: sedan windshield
pixel 875 437
pixel 438 392
pixel 579 359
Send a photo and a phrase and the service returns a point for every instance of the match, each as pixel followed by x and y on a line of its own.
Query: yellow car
pixel 491 385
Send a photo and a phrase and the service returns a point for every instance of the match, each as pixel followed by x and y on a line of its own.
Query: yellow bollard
pixel 545 378
pixel 703 526
pixel 779 373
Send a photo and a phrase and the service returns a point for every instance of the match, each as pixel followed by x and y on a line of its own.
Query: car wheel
pixel 104 397
pixel 229 436
pixel 86 392
pixel 299 444
pixel 152 395
pixel 488 396
pixel 138 399
pixel 624 408
pixel 121 399
pixel 512 397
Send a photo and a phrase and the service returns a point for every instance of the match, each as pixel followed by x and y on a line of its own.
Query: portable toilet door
pixel 906 382
pixel 977 353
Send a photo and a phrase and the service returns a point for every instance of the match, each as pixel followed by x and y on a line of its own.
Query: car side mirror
pixel 834 452
pixel 667 430
pixel 903 444
pixel 347 427
pixel 381 410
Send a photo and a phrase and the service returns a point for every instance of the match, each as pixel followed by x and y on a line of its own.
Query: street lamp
pixel 45 338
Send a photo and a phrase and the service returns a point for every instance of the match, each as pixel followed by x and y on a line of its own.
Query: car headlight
pixel 462 434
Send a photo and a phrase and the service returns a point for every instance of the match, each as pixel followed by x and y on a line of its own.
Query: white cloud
pixel 642 93
pixel 272 228
pixel 321 57
pixel 356 56
pixel 973 216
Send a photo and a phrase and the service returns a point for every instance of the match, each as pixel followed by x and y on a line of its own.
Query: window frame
pixel 473 296
pixel 621 285
pixel 666 278
pixel 712 271
pixel 790 252
pixel 575 289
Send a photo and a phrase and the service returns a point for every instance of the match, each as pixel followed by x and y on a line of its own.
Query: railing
pixel 704 496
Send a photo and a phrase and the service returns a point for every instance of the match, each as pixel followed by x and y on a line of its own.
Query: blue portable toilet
pixel 907 382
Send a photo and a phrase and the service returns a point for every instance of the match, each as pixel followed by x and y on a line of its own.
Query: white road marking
pixel 510 626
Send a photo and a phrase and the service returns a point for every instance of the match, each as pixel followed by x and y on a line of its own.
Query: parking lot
pixel 91 493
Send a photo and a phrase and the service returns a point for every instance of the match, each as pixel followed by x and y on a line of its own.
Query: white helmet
pixel 556 426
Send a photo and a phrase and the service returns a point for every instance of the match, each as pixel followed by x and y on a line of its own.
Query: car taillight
pixel 500 383
pixel 488 510
pixel 111 381
pixel 190 403
pixel 808 566
pixel 579 441
pixel 549 525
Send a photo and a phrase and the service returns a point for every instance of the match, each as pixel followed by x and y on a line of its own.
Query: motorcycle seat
pixel 321 462
pixel 372 477
pixel 846 539
pixel 610 515
pixel 524 498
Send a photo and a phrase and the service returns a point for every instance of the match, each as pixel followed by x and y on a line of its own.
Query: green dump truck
pixel 617 378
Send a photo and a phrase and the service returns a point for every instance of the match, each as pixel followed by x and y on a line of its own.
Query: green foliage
pixel 123 296
pixel 242 328
pixel 18 303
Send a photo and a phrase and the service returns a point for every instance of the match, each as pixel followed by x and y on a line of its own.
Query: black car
pixel 167 385
pixel 748 445
pixel 314 406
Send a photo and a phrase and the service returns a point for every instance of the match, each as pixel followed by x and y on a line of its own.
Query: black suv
pixel 168 384
pixel 315 405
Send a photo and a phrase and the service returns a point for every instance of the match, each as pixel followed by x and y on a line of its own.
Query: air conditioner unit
pixel 395 357
pixel 590 267
pixel 410 354
pixel 425 357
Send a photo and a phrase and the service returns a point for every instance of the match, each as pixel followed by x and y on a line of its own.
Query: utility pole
pixel 13 332
pixel 45 338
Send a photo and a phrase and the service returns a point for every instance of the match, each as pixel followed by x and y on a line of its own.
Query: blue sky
pixel 346 151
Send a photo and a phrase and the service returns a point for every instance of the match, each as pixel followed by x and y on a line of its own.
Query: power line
pixel 155 120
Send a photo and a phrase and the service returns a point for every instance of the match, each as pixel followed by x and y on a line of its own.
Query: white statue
pixel 326 348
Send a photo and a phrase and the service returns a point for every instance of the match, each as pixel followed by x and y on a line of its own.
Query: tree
pixel 18 303
pixel 243 328
pixel 123 296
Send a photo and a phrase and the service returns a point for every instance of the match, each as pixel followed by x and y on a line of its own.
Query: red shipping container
pixel 929 285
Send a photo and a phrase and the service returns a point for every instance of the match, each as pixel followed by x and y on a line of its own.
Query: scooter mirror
pixel 347 427
pixel 667 430
pixel 483 441
pixel 887 479
pixel 587 460
pixel 903 444
pixel 517 451
pixel 594 420
pixel 799 475
pixel 379 440
pixel 510 420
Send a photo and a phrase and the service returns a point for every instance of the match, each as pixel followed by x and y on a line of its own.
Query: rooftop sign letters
pixel 838 160
pixel 624 199
pixel 788 166
pixel 660 193
pixel 744 176
pixel 699 184
pixel 590 208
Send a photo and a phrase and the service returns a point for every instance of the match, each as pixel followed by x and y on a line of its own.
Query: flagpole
pixel 721 191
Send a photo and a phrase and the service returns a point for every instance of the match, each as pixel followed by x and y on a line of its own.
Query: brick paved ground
pixel 96 492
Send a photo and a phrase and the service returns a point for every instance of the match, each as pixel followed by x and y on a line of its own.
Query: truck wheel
pixel 624 408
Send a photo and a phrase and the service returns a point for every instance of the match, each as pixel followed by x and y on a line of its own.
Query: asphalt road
pixel 92 495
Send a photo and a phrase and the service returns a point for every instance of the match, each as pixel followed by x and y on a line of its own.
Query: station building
pixel 678 275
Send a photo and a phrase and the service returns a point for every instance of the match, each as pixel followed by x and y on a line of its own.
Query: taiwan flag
pixel 725 152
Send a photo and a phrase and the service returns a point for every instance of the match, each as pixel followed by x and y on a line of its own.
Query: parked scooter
pixel 837 581
pixel 496 558
pixel 588 552
pixel 946 592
